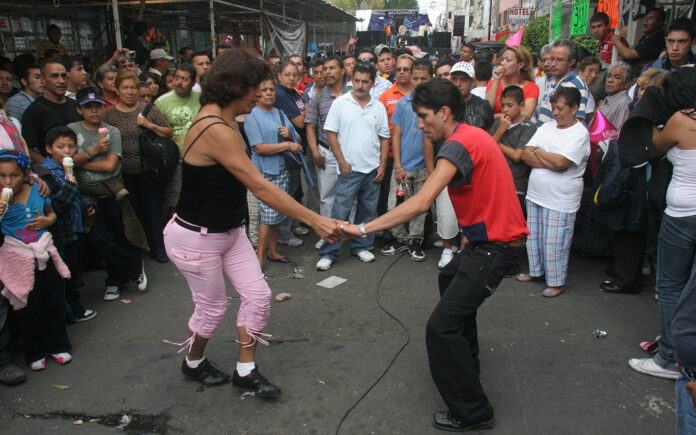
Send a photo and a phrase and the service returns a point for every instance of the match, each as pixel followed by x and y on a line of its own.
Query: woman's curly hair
pixel 232 75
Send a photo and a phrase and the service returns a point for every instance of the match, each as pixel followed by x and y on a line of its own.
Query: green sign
pixel 557 19
pixel 580 10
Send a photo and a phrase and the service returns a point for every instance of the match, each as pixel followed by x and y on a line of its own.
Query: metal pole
pixel 211 17
pixel 117 24
pixel 490 16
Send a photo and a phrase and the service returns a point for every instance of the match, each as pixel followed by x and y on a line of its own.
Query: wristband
pixel 398 169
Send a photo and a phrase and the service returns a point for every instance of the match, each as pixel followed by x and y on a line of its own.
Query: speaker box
pixel 458 27
pixel 442 40
pixel 371 38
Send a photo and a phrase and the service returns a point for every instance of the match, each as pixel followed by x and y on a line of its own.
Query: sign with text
pixel 611 8
pixel 557 19
pixel 580 10
pixel 518 15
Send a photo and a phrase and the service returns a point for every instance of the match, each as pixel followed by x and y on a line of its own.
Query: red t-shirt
pixel 483 193
pixel 606 47
pixel 530 90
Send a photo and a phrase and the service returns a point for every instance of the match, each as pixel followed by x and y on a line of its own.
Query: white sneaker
pixel 111 293
pixel 324 263
pixel 62 358
pixel 292 242
pixel 142 279
pixel 301 230
pixel 445 258
pixel 365 256
pixel 319 244
pixel 649 367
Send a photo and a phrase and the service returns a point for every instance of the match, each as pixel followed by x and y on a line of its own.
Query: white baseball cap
pixel 463 67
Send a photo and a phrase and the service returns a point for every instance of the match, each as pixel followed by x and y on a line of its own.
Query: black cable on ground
pixel 391 363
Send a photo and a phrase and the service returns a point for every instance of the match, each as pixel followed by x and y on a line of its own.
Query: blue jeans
pixel 686 414
pixel 350 187
pixel 676 250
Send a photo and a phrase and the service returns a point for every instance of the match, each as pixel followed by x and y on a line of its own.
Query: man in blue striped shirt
pixel 563 60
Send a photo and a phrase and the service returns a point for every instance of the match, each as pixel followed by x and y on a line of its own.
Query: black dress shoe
pixel 161 258
pixel 444 420
pixel 255 382
pixel 206 373
pixel 612 287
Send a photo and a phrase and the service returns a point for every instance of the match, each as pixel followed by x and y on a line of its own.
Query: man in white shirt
pixel 201 63
pixel 358 133
pixel 380 84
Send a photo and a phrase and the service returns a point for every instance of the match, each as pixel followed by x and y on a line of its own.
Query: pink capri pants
pixel 202 258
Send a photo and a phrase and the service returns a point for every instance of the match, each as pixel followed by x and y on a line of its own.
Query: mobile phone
pixel 131 54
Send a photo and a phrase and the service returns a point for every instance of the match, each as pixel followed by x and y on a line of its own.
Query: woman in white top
pixel 676 245
pixel 557 153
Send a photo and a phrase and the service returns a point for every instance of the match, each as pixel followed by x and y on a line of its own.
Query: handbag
pixel 292 160
pixel 161 154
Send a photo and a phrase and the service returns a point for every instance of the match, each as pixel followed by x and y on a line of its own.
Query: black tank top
pixel 211 196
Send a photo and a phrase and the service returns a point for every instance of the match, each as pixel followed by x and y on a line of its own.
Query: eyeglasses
pixel 366 59
pixel 557 59
pixel 403 69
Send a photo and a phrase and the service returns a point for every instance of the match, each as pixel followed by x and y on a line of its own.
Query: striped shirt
pixel 317 112
pixel 572 80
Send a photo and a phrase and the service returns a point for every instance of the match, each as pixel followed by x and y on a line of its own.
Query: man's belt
pixel 324 145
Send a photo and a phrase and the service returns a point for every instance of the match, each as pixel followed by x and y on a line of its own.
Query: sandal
pixel 552 292
pixel 282 260
pixel 652 347
pixel 525 277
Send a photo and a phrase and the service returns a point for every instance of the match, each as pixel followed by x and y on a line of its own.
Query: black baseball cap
pixel 89 95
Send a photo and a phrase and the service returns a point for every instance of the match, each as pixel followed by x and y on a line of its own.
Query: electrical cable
pixel 393 360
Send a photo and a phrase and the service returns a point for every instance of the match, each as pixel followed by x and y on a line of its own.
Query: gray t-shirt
pixel 86 139
pixel 517 137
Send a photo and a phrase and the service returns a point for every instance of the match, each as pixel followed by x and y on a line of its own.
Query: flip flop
pixel 282 260
pixel 552 293
pixel 525 277
pixel 651 347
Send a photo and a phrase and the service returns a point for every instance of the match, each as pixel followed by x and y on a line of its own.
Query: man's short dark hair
pixel 366 68
pixel 436 94
pixel 443 62
pixel 483 70
pixel 52 27
pixel 187 67
pixel 683 25
pixel 183 50
pixel 423 64
pixel 24 74
pixel 70 61
pixel 57 132
pixel 348 56
pixel 319 61
pixel 197 54
pixel 470 46
pixel 571 96
pixel 514 92
pixel 47 62
pixel 367 50
pixel 334 58
pixel 600 16
pixel 661 14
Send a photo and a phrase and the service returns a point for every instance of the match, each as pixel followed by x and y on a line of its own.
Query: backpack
pixel 161 154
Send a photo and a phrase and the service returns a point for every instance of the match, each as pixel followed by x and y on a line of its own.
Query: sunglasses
pixel 366 59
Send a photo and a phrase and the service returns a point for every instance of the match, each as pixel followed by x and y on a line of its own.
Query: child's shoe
pixel 38 365
pixel 61 358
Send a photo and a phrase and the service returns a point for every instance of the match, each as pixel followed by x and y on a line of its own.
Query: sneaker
pixel 87 315
pixel 649 367
pixel 38 365
pixel 62 358
pixel 111 293
pixel 206 373
pixel 142 279
pixel 646 270
pixel 300 230
pixel 10 374
pixel 415 248
pixel 319 244
pixel 292 242
pixel 324 263
pixel 365 256
pixel 393 248
pixel 445 258
pixel 257 383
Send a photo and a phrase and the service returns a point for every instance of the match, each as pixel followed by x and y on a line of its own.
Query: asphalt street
pixel 542 369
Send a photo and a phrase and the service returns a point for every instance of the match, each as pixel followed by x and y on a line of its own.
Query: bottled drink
pixel 400 193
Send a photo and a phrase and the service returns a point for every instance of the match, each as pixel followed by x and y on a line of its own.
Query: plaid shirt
pixel 66 202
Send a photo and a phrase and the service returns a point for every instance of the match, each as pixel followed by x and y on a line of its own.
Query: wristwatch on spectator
pixel 363 233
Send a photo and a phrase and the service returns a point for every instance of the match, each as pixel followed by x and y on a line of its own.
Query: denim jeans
pixel 676 250
pixel 686 414
pixel 350 187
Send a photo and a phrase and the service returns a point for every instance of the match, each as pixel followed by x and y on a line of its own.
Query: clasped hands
pixel 333 230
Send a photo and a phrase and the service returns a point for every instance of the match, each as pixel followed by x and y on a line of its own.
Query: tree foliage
pixel 536 33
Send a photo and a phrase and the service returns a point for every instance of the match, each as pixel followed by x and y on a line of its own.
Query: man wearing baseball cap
pixel 160 61
pixel 476 110
pixel 385 62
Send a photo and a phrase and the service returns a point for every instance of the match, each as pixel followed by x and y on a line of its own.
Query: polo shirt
pixel 606 48
pixel 359 130
pixel 381 85
pixel 411 136
pixel 615 108
pixel 482 192
pixel 571 80
pixel 389 98
pixel 317 111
